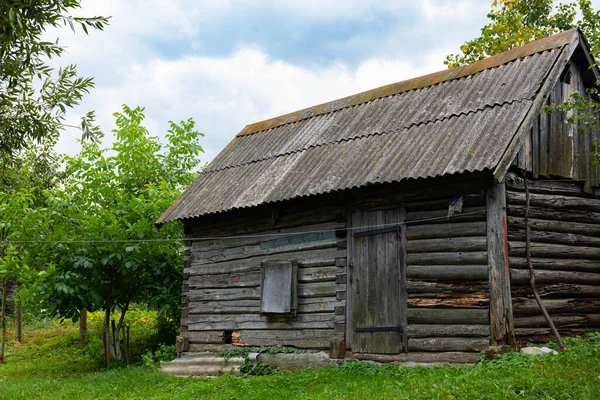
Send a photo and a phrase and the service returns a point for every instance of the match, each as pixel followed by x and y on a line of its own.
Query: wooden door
pixel 378 302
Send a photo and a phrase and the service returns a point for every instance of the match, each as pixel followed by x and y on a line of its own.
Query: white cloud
pixel 224 93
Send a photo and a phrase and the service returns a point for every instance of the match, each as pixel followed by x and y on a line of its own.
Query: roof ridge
pixel 538 46
pixel 369 135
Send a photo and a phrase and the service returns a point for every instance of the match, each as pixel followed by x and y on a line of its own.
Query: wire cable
pixel 249 236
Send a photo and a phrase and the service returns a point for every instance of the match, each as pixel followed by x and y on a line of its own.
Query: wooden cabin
pixel 390 225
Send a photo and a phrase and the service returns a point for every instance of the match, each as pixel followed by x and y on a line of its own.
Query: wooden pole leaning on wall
pixel 536 295
pixel 501 314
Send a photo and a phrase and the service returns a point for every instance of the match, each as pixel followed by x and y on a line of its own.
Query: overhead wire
pixel 248 236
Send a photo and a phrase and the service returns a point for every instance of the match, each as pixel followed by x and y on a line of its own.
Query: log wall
pixel 446 270
pixel 447 277
pixel 221 290
pixel 565 247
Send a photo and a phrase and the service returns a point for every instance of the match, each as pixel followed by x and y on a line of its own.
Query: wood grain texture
pixel 501 313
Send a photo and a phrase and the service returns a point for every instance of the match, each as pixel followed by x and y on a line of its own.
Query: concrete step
pixel 201 365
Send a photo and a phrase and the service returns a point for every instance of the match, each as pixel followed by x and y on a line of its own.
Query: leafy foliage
pixel 109 203
pixel 33 98
pixel 163 353
pixel 514 23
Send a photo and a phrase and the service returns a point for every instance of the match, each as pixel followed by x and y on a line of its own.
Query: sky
pixel 229 63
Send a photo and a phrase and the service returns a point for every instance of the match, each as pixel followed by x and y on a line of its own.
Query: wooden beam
pixel 501 314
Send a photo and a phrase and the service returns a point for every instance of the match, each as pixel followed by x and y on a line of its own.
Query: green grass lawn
pixel 51 364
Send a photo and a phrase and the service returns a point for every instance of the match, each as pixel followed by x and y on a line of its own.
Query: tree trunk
pixel 18 320
pixel 3 318
pixel 116 341
pixel 126 339
pixel 83 326
pixel 106 337
pixel 116 334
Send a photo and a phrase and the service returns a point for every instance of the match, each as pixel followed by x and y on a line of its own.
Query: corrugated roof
pixel 454 121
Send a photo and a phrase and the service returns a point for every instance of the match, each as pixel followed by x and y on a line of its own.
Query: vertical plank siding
pixel 447 276
pixel 555 147
pixel 565 247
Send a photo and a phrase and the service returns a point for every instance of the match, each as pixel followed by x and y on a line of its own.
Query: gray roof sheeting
pixel 460 125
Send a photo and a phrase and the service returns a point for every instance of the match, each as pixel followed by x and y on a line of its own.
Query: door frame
pixel 401 264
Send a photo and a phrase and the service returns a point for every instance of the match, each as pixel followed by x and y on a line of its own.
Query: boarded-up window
pixel 278 287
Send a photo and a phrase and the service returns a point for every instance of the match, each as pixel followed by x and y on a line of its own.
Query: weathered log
pixel 442 204
pixel 240 279
pixel 501 316
pixel 525 306
pixel 588 217
pixel 469 214
pixel 423 331
pixel 395 193
pixel 295 215
pixel 558 290
pixel 212 246
pixel 224 294
pixel 215 337
pixel 555 250
pixel 258 321
pixel 317 289
pixel 565 320
pixel 557 264
pixel 555 201
pixel 318 274
pixel 208 347
pixel 519 276
pixel 447 272
pixel 444 230
pixel 224 307
pixel 447 344
pixel 302 338
pixel 562 238
pixel 528 340
pixel 420 357
pixel 457 258
pixel 553 187
pixel 530 333
pixel 303 257
pixel 432 288
pixel 449 244
pixel 579 228
pixel 454 300
pixel 447 316
pixel 257 251
pixel 337 348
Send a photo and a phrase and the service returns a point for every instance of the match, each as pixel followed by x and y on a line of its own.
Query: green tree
pixel 109 204
pixel 514 23
pixel 18 219
pixel 23 180
pixel 33 97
